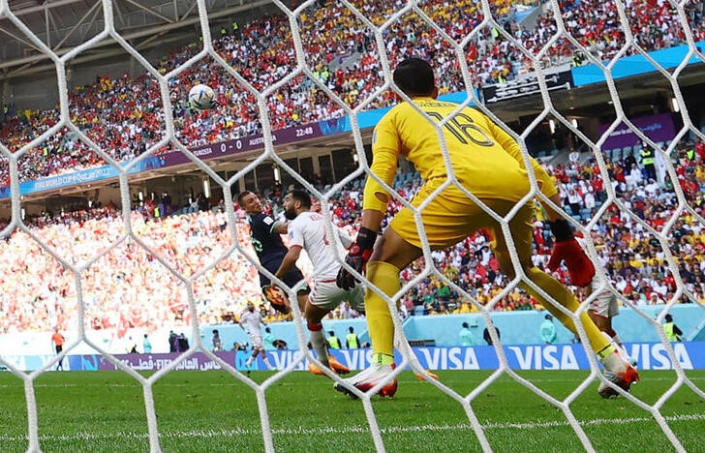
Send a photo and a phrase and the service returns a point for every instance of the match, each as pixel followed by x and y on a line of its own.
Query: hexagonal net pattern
pixel 378 28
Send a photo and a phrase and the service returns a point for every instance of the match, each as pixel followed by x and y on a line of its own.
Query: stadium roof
pixel 64 24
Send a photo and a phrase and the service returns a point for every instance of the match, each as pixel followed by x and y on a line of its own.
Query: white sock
pixel 618 340
pixel 319 345
pixel 249 361
pixel 266 363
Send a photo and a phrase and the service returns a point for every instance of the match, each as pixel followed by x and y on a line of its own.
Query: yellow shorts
pixel 451 217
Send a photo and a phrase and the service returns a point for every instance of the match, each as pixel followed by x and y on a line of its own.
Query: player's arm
pixel 345 239
pixel 272 226
pixel 386 147
pixel 289 261
pixel 280 227
pixel 296 243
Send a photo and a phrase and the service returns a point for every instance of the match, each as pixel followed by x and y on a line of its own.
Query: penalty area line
pixel 213 433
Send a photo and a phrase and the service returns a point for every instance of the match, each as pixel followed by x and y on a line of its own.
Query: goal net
pixel 484 53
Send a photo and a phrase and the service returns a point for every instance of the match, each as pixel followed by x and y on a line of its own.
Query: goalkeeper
pixel 488 163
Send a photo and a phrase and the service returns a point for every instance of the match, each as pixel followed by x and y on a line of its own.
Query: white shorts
pixel 256 341
pixel 326 294
pixel 605 304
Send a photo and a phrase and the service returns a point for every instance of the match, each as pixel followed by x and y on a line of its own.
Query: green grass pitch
pixel 213 412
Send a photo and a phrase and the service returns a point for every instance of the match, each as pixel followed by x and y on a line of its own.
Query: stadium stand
pixel 124 116
pixel 129 288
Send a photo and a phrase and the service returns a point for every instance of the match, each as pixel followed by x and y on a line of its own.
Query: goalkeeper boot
pixel 619 371
pixel 369 378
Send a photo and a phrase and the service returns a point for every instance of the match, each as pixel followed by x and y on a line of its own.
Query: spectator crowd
pixel 124 116
pixel 128 286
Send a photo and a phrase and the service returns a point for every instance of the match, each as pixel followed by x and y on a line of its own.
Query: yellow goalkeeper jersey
pixel 485 159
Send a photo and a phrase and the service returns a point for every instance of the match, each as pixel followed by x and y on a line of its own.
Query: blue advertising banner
pixel 650 356
pixel 370 118
pixel 636 64
pixel 82 177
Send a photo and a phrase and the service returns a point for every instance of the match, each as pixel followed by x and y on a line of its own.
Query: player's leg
pixel 302 299
pixel 447 220
pixel 601 307
pixel 253 356
pixel 61 360
pixel 604 323
pixel 602 310
pixel 324 297
pixel 292 278
pixel 612 311
pixel 314 315
pixel 521 229
pixel 392 253
pixel 263 353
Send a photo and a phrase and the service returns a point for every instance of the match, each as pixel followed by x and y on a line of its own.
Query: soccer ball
pixel 201 97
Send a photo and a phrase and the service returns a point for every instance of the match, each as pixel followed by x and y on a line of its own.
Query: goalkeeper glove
pixel 359 254
pixel 567 249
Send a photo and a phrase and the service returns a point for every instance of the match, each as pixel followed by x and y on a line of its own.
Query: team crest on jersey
pixel 268 221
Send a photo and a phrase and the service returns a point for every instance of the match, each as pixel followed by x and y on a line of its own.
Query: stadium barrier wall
pixel 516 328
pixel 650 356
pixel 636 64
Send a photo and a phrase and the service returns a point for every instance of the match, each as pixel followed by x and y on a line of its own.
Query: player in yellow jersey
pixel 488 163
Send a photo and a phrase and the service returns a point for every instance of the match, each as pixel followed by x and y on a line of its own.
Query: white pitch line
pixel 20 384
pixel 211 433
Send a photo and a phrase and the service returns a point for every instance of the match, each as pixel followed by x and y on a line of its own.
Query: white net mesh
pixel 537 58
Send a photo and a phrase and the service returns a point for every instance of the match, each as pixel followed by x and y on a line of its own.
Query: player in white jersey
pixel 604 306
pixel 250 321
pixel 307 230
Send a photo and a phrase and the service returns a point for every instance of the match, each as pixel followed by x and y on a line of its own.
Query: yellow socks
pixel 384 276
pixel 566 298
pixel 382 359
